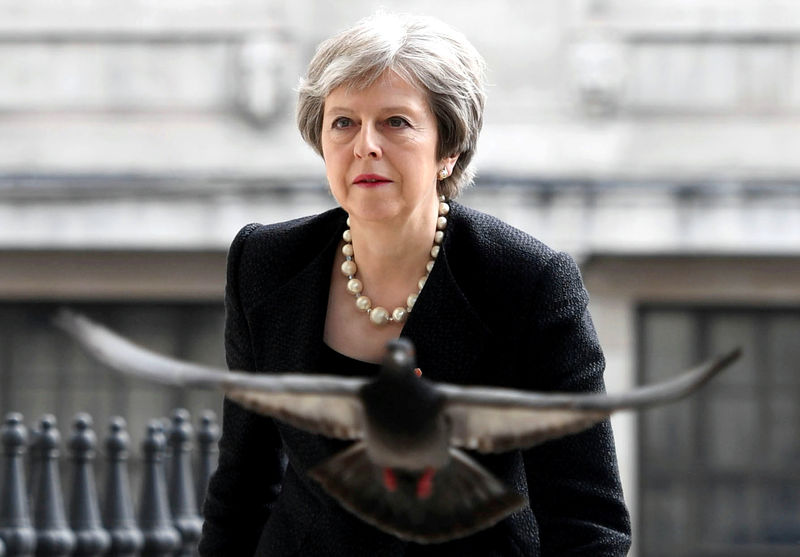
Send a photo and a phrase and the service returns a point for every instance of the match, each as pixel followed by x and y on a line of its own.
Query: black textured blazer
pixel 499 308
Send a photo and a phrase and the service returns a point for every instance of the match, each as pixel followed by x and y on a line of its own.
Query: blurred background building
pixel 656 141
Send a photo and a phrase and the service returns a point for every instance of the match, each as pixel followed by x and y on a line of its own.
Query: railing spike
pixel 53 536
pixel 207 439
pixel 161 539
pixel 15 521
pixel 181 487
pixel 91 539
pixel 118 513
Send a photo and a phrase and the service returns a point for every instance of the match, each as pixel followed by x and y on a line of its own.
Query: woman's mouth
pixel 370 180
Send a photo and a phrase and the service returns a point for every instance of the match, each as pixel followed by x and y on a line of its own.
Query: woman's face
pixel 379 146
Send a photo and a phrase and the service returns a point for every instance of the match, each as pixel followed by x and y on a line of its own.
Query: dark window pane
pixel 780 512
pixel 665 516
pixel 669 339
pixel 783 430
pixel 667 435
pixel 728 513
pixel 731 432
pixel 736 467
pixel 725 332
pixel 783 349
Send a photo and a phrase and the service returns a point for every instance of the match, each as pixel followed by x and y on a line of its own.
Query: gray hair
pixel 424 52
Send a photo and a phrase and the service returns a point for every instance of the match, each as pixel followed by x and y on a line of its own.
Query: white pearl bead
pixel 363 303
pixel 444 208
pixel 435 252
pixel 438 237
pixel 410 301
pixel 421 282
pixel 354 286
pixel 379 315
pixel 441 223
pixel 349 268
pixel 399 314
pixel 347 236
pixel 429 266
pixel 348 221
pixel 347 250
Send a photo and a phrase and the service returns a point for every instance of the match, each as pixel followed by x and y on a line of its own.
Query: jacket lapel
pixel 447 332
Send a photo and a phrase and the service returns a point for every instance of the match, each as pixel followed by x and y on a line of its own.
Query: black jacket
pixel 499 308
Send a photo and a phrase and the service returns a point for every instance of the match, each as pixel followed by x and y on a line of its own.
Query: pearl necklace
pixel 380 315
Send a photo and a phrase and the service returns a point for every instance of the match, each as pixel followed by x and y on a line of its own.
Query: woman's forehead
pixel 388 90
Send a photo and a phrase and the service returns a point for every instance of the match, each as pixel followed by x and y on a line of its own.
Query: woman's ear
pixel 449 163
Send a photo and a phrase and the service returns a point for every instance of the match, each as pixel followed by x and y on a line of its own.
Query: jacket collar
pixel 448 334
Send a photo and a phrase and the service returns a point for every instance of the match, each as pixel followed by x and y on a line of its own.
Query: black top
pixel 331 362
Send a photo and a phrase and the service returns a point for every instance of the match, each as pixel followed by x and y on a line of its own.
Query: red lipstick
pixel 370 180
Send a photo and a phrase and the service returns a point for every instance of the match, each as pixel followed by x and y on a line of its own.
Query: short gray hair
pixel 423 51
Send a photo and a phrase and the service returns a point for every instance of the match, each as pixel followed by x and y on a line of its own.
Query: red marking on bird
pixel 418 372
pixel 425 484
pixel 389 479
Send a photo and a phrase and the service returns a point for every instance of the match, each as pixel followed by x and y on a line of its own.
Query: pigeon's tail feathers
pixel 464 498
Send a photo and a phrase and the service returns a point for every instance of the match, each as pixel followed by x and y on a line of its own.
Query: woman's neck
pixel 391 256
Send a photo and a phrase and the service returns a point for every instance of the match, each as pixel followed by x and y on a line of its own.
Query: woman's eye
pixel 342 123
pixel 397 122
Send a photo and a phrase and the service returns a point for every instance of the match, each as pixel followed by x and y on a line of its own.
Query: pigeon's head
pixel 399 356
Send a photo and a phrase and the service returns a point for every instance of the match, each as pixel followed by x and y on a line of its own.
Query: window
pixel 719 471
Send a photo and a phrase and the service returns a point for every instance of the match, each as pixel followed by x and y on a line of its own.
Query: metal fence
pixel 34 519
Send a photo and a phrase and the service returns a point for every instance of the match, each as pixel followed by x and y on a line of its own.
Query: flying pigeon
pixel 406 472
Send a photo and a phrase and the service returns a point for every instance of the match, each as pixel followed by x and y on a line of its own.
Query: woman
pixel 394 106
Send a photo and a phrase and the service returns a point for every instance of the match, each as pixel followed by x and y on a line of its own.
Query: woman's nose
pixel 367 143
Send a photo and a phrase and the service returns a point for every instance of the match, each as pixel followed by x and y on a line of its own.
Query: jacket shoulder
pixel 491 242
pixel 497 264
pixel 277 251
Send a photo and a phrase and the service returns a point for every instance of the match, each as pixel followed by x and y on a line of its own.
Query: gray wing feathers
pixel 127 357
pixel 318 403
pixel 495 420
pixel 494 430
pixel 339 416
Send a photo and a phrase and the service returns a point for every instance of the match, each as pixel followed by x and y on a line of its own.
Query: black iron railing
pixel 35 521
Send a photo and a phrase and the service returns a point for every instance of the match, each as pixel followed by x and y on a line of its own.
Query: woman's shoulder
pixel 493 240
pixel 487 254
pixel 287 238
pixel 270 254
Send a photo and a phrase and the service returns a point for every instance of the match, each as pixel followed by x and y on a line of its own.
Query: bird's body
pixel 405 427
pixel 405 473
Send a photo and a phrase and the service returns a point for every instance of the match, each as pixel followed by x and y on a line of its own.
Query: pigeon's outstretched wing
pixel 320 404
pixel 495 420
